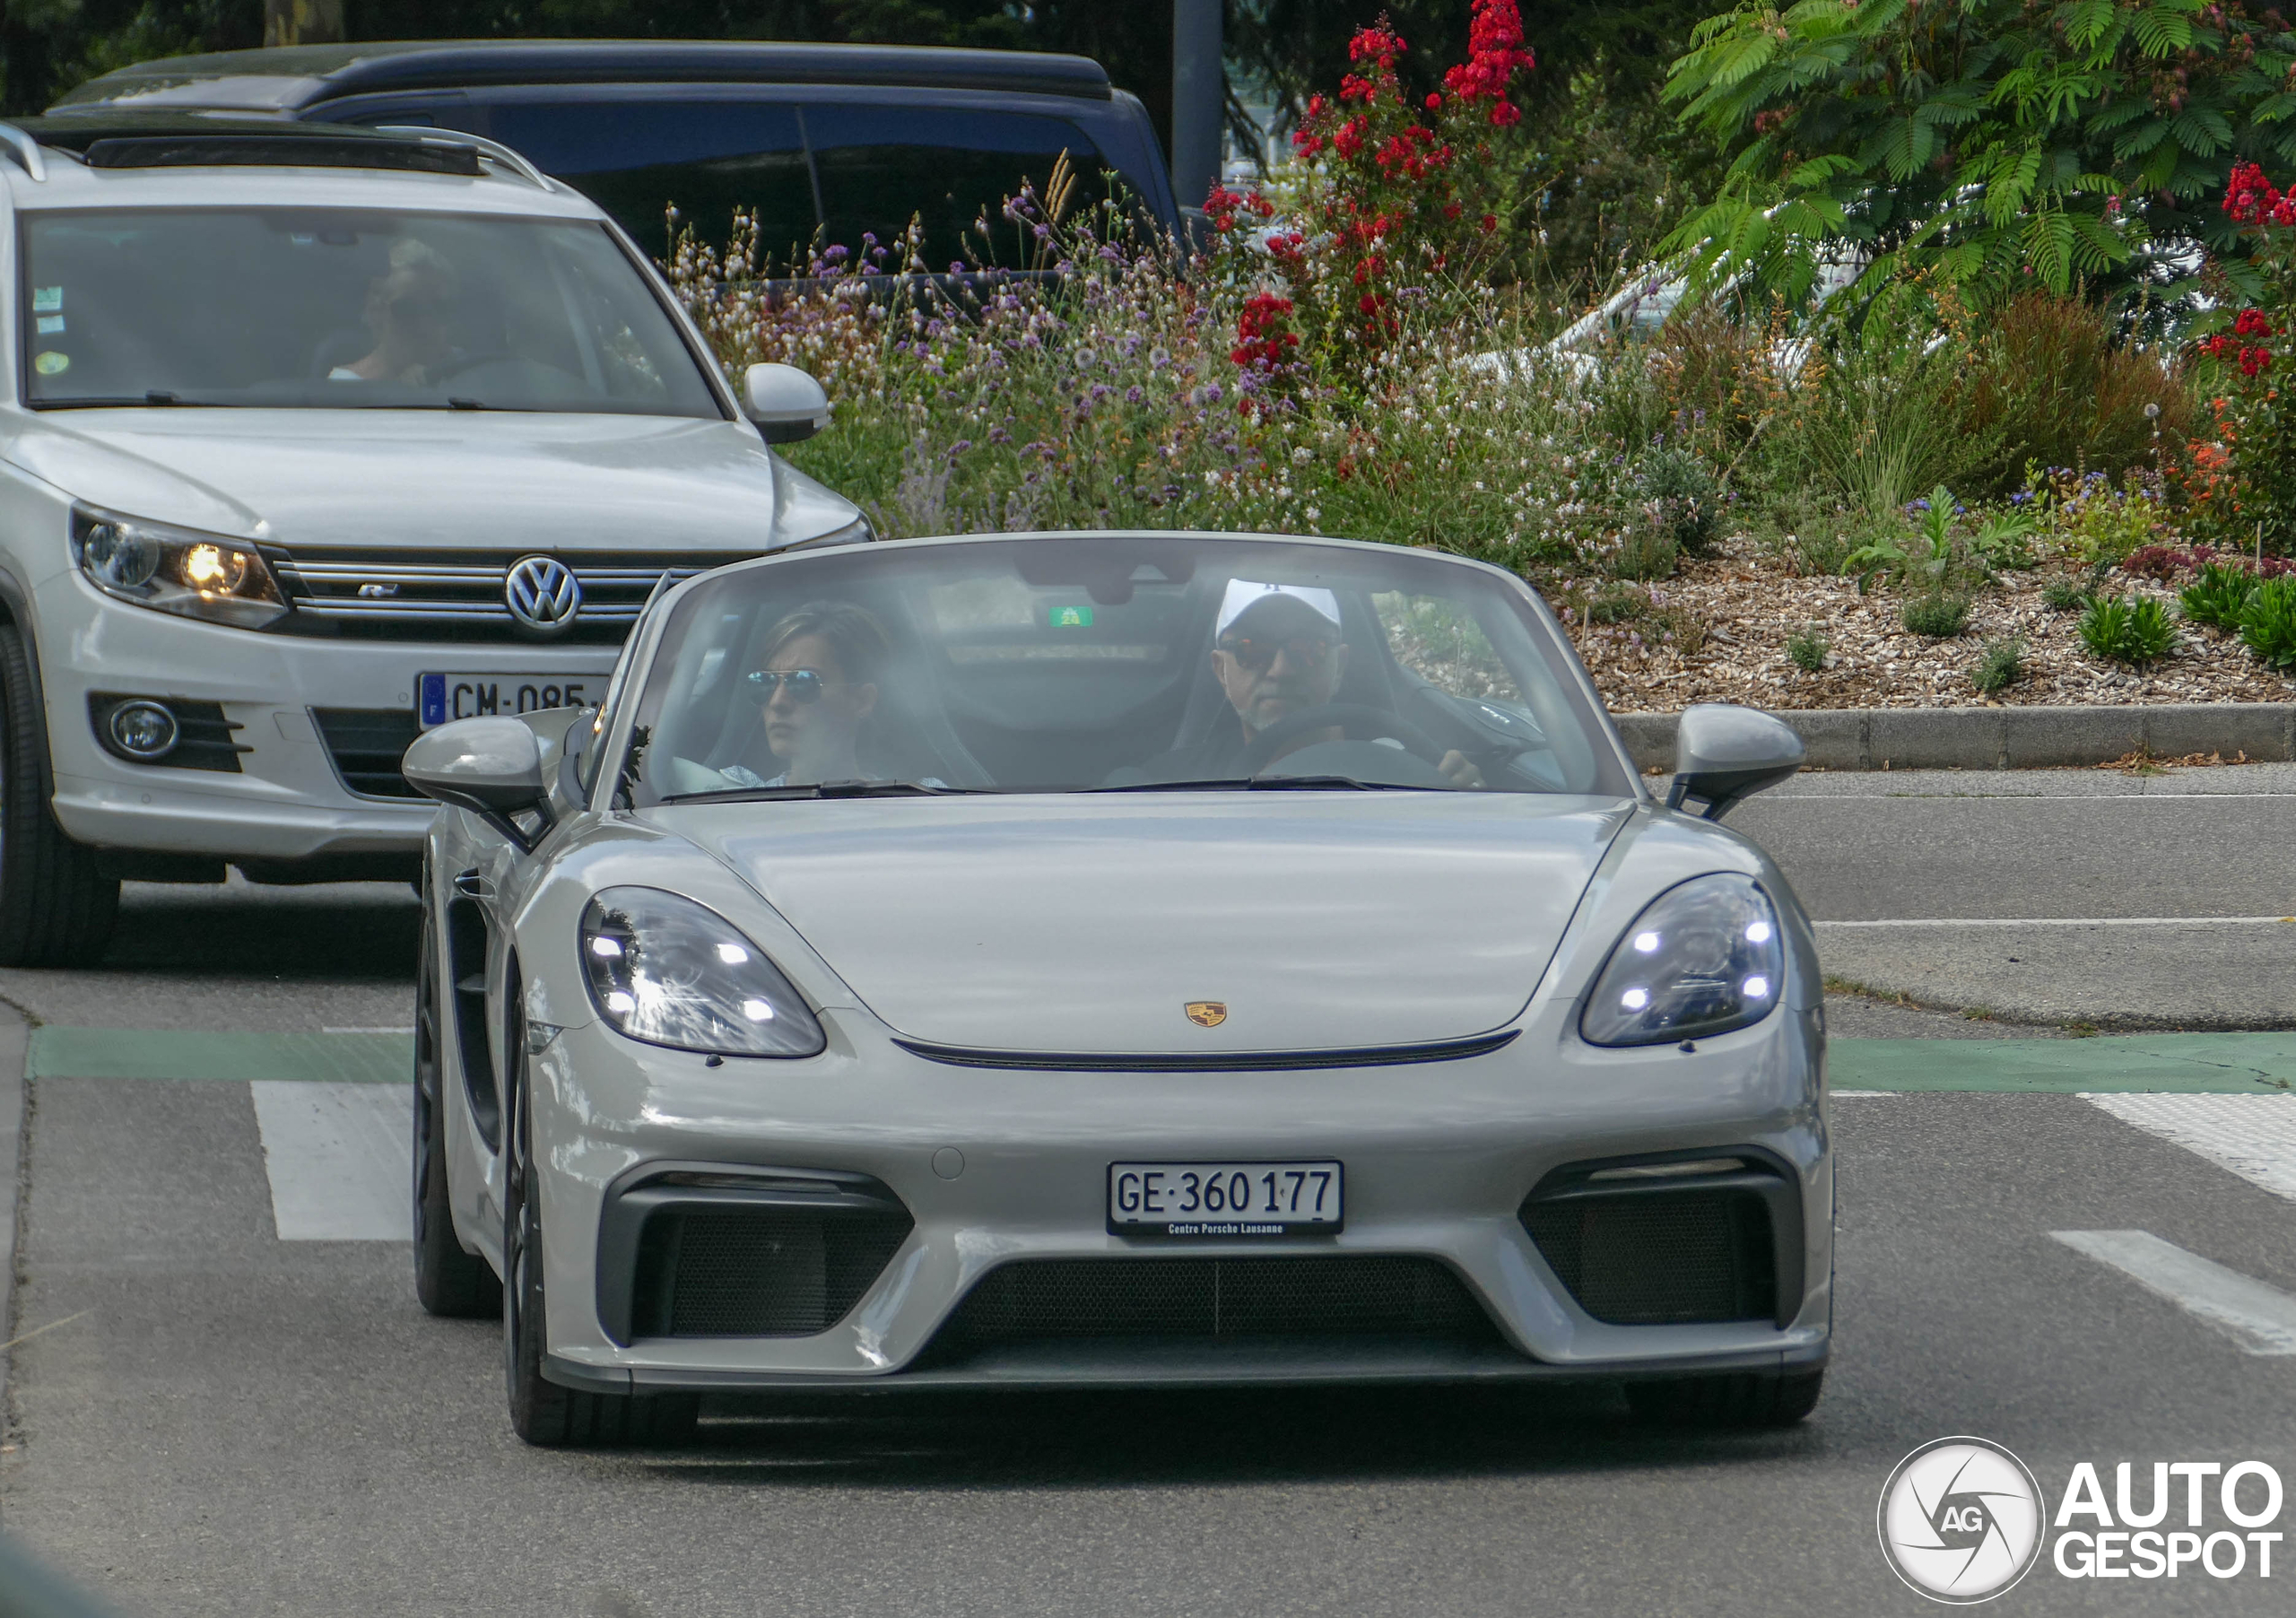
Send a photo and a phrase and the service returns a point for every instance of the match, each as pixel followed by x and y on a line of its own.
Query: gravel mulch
pixel 1717 632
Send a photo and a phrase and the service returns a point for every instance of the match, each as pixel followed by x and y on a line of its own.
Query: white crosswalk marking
pixel 2253 1135
pixel 2260 1318
pixel 340 1158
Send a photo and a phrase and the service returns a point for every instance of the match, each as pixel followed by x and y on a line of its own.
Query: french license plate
pixel 445 698
pixel 1223 1199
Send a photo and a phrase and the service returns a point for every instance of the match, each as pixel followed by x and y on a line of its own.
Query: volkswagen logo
pixel 545 597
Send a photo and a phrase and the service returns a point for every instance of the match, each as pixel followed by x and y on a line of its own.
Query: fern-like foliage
pixel 1989 141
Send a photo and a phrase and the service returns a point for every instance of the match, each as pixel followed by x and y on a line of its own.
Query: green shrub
pixel 1807 649
pixel 2218 594
pixel 1619 605
pixel 2268 623
pixel 1647 553
pixel 2129 631
pixel 2064 594
pixel 1689 499
pixel 2000 664
pixel 1939 616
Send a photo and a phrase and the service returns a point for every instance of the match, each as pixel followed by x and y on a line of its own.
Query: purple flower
pixel 1132 395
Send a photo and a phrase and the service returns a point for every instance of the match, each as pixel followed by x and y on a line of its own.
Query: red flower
pixel 2248 197
pixel 2253 361
pixel 1494 53
pixel 2252 324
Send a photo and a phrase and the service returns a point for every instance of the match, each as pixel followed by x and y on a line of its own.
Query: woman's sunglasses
pixel 805 685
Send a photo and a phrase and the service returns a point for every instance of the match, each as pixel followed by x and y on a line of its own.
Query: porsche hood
pixel 1092 924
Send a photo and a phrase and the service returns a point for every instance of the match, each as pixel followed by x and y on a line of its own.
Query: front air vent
pixel 366 745
pixel 1216 1300
pixel 1642 1245
pixel 758 1271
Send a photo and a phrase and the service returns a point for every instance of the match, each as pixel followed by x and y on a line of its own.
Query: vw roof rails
pixel 25 150
pixel 429 135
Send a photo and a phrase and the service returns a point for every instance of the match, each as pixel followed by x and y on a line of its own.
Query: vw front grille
pixel 462 594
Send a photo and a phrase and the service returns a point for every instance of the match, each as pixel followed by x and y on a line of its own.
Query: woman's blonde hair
pixel 853 633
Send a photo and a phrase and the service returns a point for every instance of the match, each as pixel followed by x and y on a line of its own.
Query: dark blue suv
pixel 834 139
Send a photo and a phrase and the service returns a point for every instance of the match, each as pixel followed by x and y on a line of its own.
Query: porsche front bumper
pixel 1002 1167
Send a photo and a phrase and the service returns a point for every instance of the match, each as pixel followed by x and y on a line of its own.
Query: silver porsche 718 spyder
pixel 1112 959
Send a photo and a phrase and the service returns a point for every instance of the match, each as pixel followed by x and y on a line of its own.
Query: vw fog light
pixel 1703 958
pixel 668 971
pixel 178 570
pixel 143 731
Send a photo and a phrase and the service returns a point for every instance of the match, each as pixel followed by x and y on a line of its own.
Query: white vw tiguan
pixel 312 438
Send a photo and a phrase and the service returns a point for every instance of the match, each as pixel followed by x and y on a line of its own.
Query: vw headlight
pixel 1703 957
pixel 178 570
pixel 669 971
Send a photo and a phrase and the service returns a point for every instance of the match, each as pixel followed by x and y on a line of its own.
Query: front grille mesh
pixel 1216 1298
pixel 366 744
pixel 458 594
pixel 758 1272
pixel 1661 1259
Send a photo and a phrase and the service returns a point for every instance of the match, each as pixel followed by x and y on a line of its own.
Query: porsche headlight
pixel 669 971
pixel 178 570
pixel 1702 957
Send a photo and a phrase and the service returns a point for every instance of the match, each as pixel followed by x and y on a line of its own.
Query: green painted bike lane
pixel 2237 1064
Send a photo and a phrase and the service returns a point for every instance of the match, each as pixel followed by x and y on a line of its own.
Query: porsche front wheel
pixel 543 1413
pixel 447 1281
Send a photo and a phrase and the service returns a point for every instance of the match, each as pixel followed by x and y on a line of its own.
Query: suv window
pixel 346 309
pixel 842 167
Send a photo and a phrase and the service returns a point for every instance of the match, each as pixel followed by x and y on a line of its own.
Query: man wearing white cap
pixel 1277 651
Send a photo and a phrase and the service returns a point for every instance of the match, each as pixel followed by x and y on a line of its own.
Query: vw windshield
pixel 346 309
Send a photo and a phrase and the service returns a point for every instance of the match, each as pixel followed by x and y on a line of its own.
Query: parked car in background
pixel 837 139
pixel 310 439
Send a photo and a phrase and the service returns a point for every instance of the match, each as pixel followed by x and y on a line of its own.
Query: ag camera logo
pixel 1961 1520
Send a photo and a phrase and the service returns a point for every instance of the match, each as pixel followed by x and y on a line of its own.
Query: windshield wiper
pixel 1270 783
pixel 761 795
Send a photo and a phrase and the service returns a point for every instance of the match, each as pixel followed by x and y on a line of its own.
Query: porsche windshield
pixel 346 309
pixel 1139 663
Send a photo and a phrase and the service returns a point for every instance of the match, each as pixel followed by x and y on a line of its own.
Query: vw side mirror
pixel 785 403
pixel 491 767
pixel 1723 752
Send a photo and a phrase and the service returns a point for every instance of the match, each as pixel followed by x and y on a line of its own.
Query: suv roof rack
pixel 121 137
pixel 304 75
pixel 25 150
pixel 209 149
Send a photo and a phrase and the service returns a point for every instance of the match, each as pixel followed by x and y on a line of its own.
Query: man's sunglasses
pixel 805 685
pixel 1259 654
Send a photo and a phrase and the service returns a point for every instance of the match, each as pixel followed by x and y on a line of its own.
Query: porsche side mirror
pixel 491 767
pixel 785 403
pixel 1723 752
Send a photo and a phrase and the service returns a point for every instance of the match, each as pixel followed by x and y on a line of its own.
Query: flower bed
pixel 1717 632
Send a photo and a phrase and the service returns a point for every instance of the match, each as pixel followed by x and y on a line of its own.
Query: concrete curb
pixel 16 1150
pixel 2005 738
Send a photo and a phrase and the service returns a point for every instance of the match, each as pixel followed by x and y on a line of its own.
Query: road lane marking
pixel 2249 1065
pixel 2253 1135
pixel 340 1158
pixel 393 1029
pixel 2070 921
pixel 2260 1318
pixel 1863 1095
pixel 59 1052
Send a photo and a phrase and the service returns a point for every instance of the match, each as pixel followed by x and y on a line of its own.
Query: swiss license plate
pixel 443 699
pixel 1223 1199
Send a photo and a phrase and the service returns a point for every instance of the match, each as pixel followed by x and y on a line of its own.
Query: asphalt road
pixel 212 1420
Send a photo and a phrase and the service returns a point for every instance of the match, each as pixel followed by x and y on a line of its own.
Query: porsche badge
pixel 1208 1013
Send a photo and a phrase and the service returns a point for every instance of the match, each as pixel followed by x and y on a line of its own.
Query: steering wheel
pixel 471 362
pixel 1358 721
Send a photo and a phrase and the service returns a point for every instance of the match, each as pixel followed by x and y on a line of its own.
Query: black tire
pixel 542 1412
pixel 447 1281
pixel 56 908
pixel 1748 1399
